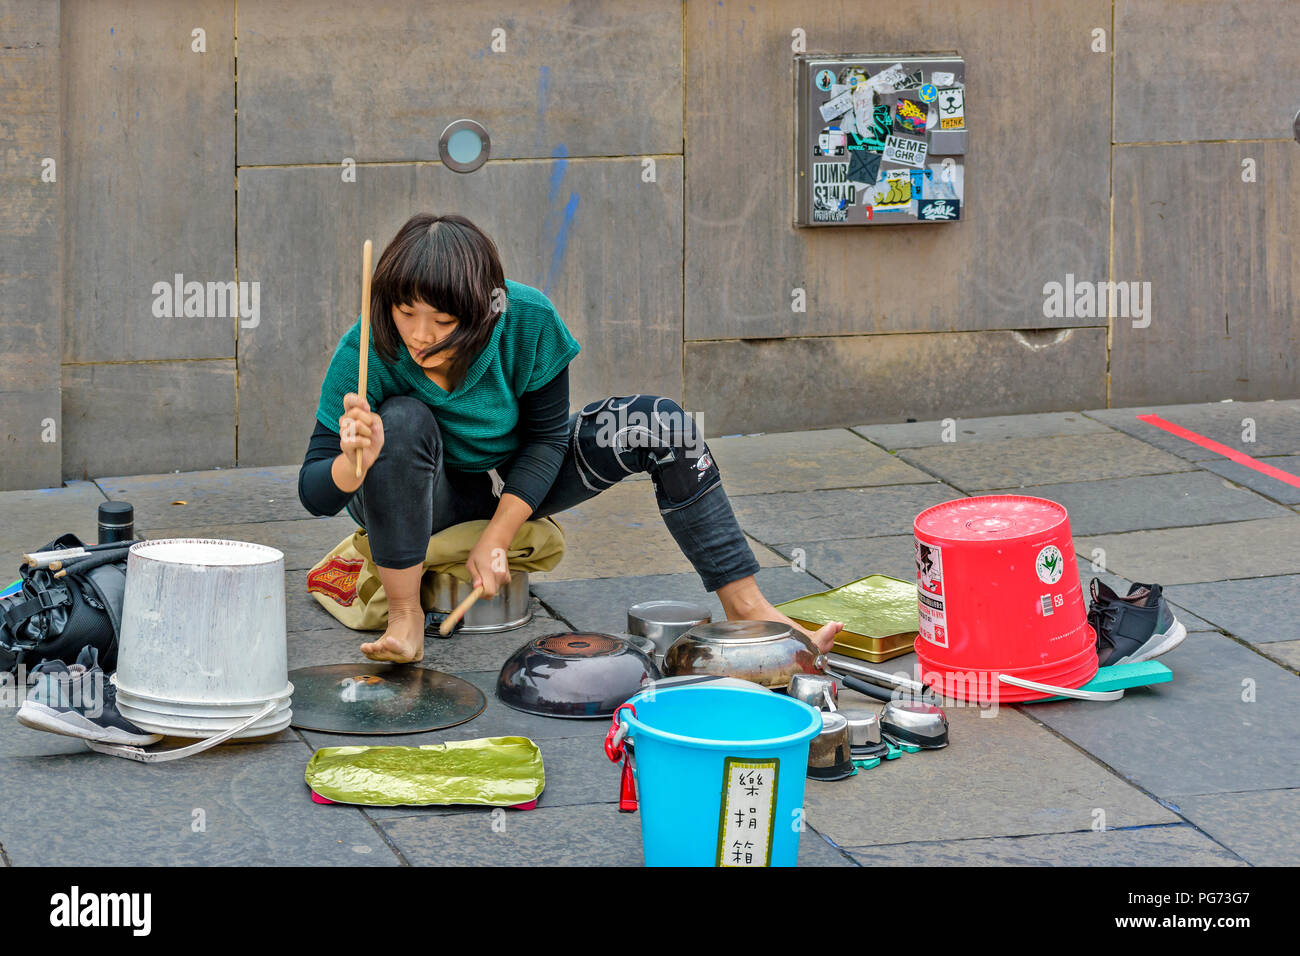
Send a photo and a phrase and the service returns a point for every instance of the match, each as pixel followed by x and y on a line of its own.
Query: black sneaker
pixel 1137 627
pixel 79 701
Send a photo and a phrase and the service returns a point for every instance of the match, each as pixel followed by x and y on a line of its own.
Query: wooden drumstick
pixel 445 627
pixel 366 253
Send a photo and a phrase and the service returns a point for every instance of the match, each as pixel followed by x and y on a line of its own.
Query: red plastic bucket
pixel 998 593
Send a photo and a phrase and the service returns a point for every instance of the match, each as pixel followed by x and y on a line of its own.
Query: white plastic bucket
pixel 203 644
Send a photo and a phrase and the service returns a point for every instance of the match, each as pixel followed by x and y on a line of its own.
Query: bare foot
pixel 403 642
pixel 824 638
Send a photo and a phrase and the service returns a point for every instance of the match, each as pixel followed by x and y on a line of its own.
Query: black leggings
pixel 409 494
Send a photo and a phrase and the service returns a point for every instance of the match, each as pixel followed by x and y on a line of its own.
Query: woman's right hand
pixel 360 429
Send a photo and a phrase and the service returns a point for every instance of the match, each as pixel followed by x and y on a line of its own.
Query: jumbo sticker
pixel 904 150
pixel 952 108
pixel 833 193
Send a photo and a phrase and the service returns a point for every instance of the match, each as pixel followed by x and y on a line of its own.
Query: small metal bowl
pixel 912 722
pixel 510 608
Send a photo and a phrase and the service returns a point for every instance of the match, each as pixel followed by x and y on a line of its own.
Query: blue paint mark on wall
pixel 558 170
pixel 559 244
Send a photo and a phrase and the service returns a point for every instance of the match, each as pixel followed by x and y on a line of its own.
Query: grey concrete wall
pixel 149 137
pixel 1122 165
pixel 31 428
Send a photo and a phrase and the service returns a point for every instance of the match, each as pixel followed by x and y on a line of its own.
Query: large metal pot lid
pixel 739 632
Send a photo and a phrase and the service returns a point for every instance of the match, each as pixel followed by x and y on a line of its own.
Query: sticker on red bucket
pixel 748 812
pixel 1050 564
pixel 930 601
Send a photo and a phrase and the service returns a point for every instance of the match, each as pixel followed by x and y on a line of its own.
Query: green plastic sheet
pixel 490 771
pixel 876 606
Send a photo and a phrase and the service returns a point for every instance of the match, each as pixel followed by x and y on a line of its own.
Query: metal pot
pixel 765 652
pixel 830 755
pixel 864 733
pixel 815 690
pixel 664 621
pixel 511 607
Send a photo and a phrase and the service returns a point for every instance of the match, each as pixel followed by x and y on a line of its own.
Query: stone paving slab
pixel 618 532
pixel 497 720
pixel 304 541
pixel 601 604
pixel 302 611
pixel 996 428
pixel 1287 652
pixel 1178 845
pixel 31 519
pixel 1000 776
pixel 842 560
pixel 828 515
pixel 1266 485
pixel 226 495
pixel 1263 547
pixel 1194 735
pixel 589 835
pixel 1259 610
pixel 1153 501
pixel 1277 426
pixel 1253 825
pixel 982 466
pixel 88 809
pixel 338 645
pixel 806 461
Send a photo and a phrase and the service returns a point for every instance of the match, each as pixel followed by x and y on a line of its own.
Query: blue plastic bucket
pixel 720 774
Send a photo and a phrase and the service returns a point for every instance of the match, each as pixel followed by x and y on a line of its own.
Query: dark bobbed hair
pixel 450 265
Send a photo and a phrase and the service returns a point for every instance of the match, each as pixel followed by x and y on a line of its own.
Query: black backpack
pixel 55 618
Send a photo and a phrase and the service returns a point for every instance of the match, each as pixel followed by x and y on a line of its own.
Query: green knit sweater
pixel 529 346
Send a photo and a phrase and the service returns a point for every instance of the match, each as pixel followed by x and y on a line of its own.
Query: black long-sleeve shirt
pixel 543 430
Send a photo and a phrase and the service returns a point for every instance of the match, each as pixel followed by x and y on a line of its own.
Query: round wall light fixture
pixel 464 146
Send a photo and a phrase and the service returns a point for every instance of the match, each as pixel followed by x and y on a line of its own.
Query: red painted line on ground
pixel 1224 450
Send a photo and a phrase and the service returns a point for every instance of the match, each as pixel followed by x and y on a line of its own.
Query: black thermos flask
pixel 116 522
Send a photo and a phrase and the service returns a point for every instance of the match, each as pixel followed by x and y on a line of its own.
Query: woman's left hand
pixel 488 565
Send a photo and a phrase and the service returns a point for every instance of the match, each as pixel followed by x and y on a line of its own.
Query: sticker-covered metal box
pixel 880 139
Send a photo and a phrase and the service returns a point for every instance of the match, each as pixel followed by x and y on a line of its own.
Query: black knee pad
pixel 646 433
pixel 407 420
